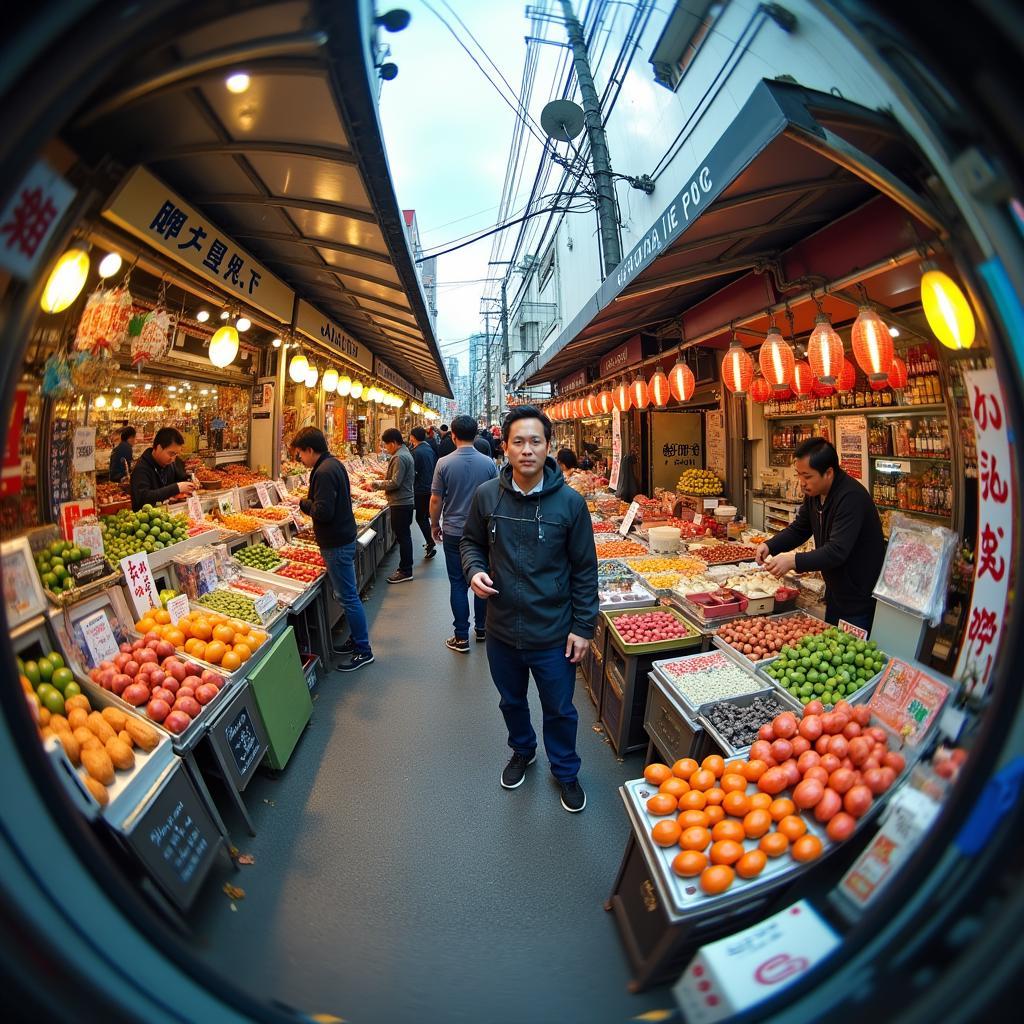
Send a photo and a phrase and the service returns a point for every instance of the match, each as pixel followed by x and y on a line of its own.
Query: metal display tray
pixel 267 626
pixel 785 701
pixel 692 638
pixel 668 678
pixel 638 597
pixel 746 662
pixel 859 696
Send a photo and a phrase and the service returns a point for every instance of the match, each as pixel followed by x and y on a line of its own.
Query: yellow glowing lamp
pixel 66 281
pixel 357 389
pixel 312 375
pixel 344 387
pixel 414 409
pixel 224 346
pixel 948 311
pixel 298 368
pixel 330 381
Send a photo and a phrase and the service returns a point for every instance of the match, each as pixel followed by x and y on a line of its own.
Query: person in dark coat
pixel 159 474
pixel 447 444
pixel 121 457
pixel 849 547
pixel 423 457
pixel 482 443
pixel 528 550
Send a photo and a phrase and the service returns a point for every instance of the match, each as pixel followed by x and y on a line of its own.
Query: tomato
pixel 814 708
pixel 840 746
pixel 862 715
pixel 754 769
pixel 851 730
pixel 773 781
pixel 874 780
pixel 830 762
pixel 751 864
pixel 806 848
pixel 760 750
pixel 841 780
pixel 792 772
pixel 821 744
pixel 800 745
pixel 830 804
pixel 888 776
pixel 808 793
pixel 716 879
pixel 894 761
pixel 782 750
pixel 784 725
pixel 857 801
pixel 766 732
pixel 775 844
pixel 859 750
pixel 841 827
pixel 817 772
pixel 808 759
pixel 878 734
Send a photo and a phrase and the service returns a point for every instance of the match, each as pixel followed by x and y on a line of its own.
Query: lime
pixel 59 572
pixel 21 666
pixel 56 547
pixel 49 581
pixel 51 699
pixel 61 678
pixel 45 669
pixel 55 659
pixel 86 552
pixel 74 555
pixel 72 690
pixel 31 671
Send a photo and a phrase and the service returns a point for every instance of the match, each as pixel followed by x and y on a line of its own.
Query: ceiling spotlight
pixel 389 71
pixel 394 21
pixel 117 402
pixel 110 264
pixel 894 332
pixel 172 387
pixel 224 315
pixel 243 323
pixel 148 387
pixel 238 82
pixel 203 315
pixel 276 343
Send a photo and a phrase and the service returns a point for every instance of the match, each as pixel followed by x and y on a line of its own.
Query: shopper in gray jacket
pixel 398 486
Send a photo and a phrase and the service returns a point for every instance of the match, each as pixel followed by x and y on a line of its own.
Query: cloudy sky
pixel 448 134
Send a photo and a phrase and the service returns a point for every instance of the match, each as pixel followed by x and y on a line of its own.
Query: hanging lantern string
pixel 863 292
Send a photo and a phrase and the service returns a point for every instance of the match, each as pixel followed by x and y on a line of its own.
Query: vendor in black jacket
pixel 528 549
pixel 159 475
pixel 848 545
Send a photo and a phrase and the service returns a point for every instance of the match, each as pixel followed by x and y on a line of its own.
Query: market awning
pixel 293 167
pixel 791 162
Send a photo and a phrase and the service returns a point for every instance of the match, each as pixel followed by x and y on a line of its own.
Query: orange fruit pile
pixel 205 635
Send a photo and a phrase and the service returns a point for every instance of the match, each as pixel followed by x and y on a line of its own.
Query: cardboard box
pixel 739 971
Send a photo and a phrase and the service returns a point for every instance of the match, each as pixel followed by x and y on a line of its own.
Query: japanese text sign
pixel 263 494
pixel 995 541
pixel 99 638
pixel 275 538
pixel 387 374
pixel 908 699
pixel 627 520
pixel 144 206
pixel 281 490
pixel 30 217
pixel 311 322
pixel 195 508
pixel 141 587
pixel 84 460
pixel 177 608
pixel 858 631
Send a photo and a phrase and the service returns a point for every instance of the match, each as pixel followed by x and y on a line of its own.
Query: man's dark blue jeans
pixel 460 591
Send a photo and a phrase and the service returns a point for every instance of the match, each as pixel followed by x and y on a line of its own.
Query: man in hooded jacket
pixel 528 550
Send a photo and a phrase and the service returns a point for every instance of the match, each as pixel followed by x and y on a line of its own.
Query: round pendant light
pixel 825 350
pixel 344 386
pixel 357 389
pixel 803 377
pixel 330 380
pixel 639 391
pixel 681 382
pixel 777 360
pixel 760 390
pixel 847 376
pixel 66 280
pixel 224 346
pixel 659 389
pixel 604 401
pixel 872 344
pixel 898 374
pixel 312 375
pixel 109 265
pixel 947 310
pixel 298 367
pixel 737 369
pixel 622 396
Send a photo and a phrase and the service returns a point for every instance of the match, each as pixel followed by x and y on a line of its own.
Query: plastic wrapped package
pixel 915 573
pixel 197 571
pixel 104 322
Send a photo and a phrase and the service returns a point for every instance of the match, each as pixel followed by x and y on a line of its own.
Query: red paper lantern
pixel 737 369
pixel 777 360
pixel 760 390
pixel 784 395
pixel 825 350
pixel 681 382
pixel 604 400
pixel 847 377
pixel 590 404
pixel 872 345
pixel 658 389
pixel 622 397
pixel 803 377
pixel 898 374
pixel 639 391
pixel 820 390
pixel 879 385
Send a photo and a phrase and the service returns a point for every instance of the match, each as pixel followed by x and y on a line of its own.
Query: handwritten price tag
pixel 263 493
pixel 195 507
pixel 275 538
pixel 99 638
pixel 266 605
pixel 627 520
pixel 282 490
pixel 698 519
pixel 177 608
pixel 857 631
pixel 228 503
pixel 141 586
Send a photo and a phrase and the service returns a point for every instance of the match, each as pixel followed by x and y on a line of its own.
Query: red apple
pixel 131 668
pixel 137 694
pixel 120 683
pixel 209 676
pixel 176 669
pixel 177 722
pixel 206 693
pixel 162 693
pixel 151 635
pixel 189 705
pixel 170 683
pixel 192 681
pixel 158 709
pixel 186 691
pixel 164 649
pixel 121 660
pixel 157 677
pixel 147 657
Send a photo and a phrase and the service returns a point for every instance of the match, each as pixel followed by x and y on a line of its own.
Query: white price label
pixel 195 508
pixel 263 494
pixel 858 631
pixel 698 519
pixel 141 587
pixel 282 490
pixel 99 638
pixel 710 503
pixel 88 535
pixel 275 538
pixel 177 608
pixel 266 605
pixel 627 520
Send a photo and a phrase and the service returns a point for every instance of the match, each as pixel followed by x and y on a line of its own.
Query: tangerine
pixel 716 879
pixel 695 800
pixel 728 828
pixel 736 804
pixel 715 796
pixel 244 651
pixel 689 863
pixel 753 770
pixel 174 636
pixel 687 819
pixel 684 768
pixel 202 630
pixel 256 638
pixel 760 801
pixel 726 851
pixel 751 864
pixel 674 787
pixel 792 827
pixel 199 651
pixel 239 627
pixel 775 844
pixel 161 616
pixel 145 625
pixel 702 779
pixel 781 807
pixel 661 803
pixel 695 838
pixel 807 848
pixel 732 782
pixel 715 764
pixel 215 650
pixel 185 625
pixel 190 645
pixel 666 832
pixel 657 773
pixel 756 823
pixel 734 768
pixel 229 661
pixel 225 634
pixel 715 813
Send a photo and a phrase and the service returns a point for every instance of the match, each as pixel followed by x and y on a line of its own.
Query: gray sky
pixel 447 134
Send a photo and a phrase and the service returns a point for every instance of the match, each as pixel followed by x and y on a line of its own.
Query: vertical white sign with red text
pixel 995 541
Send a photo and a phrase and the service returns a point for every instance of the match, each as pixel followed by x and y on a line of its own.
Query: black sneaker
pixel 481 636
pixel 348 647
pixel 573 797
pixel 515 771
pixel 358 660
pixel 400 577
pixel 453 643
pixel 431 551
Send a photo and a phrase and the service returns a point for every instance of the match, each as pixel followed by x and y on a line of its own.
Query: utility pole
pixel 487 363
pixel 603 183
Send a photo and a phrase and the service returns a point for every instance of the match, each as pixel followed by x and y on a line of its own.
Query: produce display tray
pixel 785 701
pixel 746 662
pixel 684 895
pixel 692 639
pixel 638 597
pixel 267 626
pixel 282 581
pixel 709 661
pixel 132 634
pixel 715 612
pixel 859 696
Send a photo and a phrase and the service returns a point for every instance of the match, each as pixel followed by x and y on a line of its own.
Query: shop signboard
pixel 11 476
pixel 613 478
pixel 385 372
pixel 311 322
pixel 141 586
pixel 677 444
pixel 238 738
pixel 175 837
pixel 852 446
pixel 60 464
pixel 628 354
pixel 572 382
pixel 28 221
pixel 84 459
pixel 996 541
pixel 149 210
pixel 714 442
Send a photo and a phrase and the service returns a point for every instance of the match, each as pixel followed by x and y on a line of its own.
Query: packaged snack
pixel 915 573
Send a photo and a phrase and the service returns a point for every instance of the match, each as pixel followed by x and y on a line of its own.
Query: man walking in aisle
pixel 456 478
pixel 446 445
pixel 423 457
pixel 330 506
pixel 528 550
pixel 398 486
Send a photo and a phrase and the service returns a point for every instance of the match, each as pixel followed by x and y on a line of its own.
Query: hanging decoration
pixel 330 381
pixel 298 368
pixel 623 396
pixel 156 335
pixel 105 319
pixel 658 388
pixel 641 394
pixel 57 376
pixel 312 374
pixel 872 344
pixel 847 377
pixel 825 349
pixel 604 401
pixel 737 369
pixel 776 360
pixel 223 345
pixel 357 389
pixel 946 308
pixel 820 390
pixel 879 385
pixel 803 378
pixel 344 386
pixel 681 381
pixel 591 404
pixel 897 377
pixel 760 390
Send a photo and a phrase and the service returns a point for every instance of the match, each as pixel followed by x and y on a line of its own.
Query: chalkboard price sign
pixel 176 838
pixel 239 738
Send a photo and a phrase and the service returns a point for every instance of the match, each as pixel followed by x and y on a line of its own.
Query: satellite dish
pixel 563 120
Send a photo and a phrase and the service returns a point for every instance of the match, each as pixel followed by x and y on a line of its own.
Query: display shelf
pixel 910 458
pixel 864 410
pixel 913 512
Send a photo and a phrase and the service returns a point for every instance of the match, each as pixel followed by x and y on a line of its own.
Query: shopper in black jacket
pixel 447 443
pixel 159 475
pixel 528 549
pixel 848 544
pixel 330 505
pixel 423 457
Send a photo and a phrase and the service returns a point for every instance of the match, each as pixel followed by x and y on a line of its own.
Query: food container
pixel 760 605
pixel 785 599
pixel 707 607
pixel 725 513
pixel 692 638
pixel 859 696
pixel 702 670
pixel 663 539
pixel 782 699
pixel 750 663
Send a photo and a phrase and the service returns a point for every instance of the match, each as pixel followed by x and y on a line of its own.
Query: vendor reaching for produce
pixel 848 546
pixel 159 474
